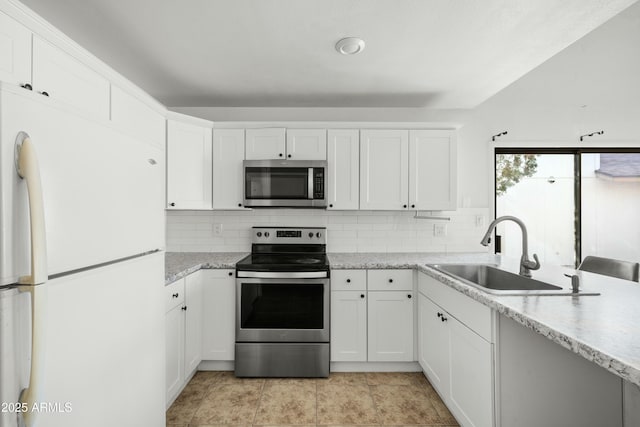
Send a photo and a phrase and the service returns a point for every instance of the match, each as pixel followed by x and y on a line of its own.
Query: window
pixel 575 202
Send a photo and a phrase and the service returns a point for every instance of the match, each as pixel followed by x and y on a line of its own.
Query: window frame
pixel 577 179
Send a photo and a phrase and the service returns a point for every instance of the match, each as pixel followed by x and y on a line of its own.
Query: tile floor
pixel 218 398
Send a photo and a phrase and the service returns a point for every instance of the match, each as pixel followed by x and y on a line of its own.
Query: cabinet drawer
pixel 390 280
pixel 472 314
pixel 349 280
pixel 173 295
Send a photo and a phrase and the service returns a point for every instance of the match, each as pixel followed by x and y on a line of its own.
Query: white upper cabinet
pixel 263 144
pixel 228 154
pixel 307 144
pixel 136 118
pixel 384 175
pixel 432 170
pixel 15 51
pixel 343 161
pixel 64 79
pixel 189 149
pixel 280 143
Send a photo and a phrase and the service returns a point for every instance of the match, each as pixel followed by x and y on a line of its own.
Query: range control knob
pixel 310 234
pixel 266 234
pixel 318 234
pixel 259 234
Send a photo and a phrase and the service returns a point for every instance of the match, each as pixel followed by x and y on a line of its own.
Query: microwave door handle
pixel 310 184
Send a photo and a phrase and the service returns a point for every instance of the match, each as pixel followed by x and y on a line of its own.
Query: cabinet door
pixel 67 80
pixel 174 333
pixel 193 322
pixel 471 394
pixel 307 144
pixel 343 162
pixel 384 175
pixel 390 322
pixel 348 326
pixel 433 339
pixel 228 154
pixel 15 51
pixel 261 144
pixel 188 166
pixel 218 328
pixel 432 170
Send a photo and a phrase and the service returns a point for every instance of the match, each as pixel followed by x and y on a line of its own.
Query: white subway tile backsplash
pixel 347 231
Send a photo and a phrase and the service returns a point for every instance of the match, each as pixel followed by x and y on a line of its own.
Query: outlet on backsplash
pixel 439 230
pixel 218 228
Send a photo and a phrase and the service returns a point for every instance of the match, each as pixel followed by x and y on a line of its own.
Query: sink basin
pixel 493 280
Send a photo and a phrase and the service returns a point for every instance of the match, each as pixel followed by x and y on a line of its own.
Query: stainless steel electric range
pixel 283 296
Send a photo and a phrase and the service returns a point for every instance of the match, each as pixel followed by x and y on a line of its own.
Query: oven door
pixel 282 310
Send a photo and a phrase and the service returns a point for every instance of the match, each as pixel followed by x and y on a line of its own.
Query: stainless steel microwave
pixel 285 183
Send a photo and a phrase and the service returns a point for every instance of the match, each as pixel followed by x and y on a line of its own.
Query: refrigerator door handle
pixel 28 169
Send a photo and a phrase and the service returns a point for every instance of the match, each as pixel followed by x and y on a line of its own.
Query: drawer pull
pixel 184 308
pixel 231 273
pixel 361 295
pixel 409 296
pixel 439 314
pixel 176 295
pixel 348 280
pixel 390 280
pixel 444 319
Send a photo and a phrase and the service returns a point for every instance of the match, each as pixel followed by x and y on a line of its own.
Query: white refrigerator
pixel 81 269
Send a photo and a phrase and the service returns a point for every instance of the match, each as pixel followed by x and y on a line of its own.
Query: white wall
pixel 355 231
pixel 592 85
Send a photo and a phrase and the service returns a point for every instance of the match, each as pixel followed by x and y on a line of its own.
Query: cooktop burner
pixel 286 249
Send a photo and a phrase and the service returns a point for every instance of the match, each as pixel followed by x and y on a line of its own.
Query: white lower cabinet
pixel 174 331
pixel 183 329
pixel 372 316
pixel 218 328
pixel 457 360
pixel 193 322
pixel 349 326
pixel 390 321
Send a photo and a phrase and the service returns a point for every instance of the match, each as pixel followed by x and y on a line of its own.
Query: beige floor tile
pixel 205 378
pixel 350 378
pixel 346 404
pixel 400 404
pixel 230 403
pixel 287 402
pixel 182 411
pixel 392 378
pixel 230 378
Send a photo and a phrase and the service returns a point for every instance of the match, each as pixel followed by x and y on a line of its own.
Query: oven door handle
pixel 283 274
pixel 310 184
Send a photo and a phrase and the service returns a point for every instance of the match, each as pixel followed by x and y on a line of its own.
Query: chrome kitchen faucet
pixel 526 265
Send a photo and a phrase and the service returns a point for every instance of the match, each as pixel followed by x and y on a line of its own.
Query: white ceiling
pixel 280 53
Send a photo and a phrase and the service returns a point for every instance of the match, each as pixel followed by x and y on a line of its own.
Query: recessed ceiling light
pixel 350 46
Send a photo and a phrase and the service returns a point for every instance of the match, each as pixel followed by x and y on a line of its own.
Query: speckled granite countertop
pixel 181 264
pixel 340 261
pixel 604 329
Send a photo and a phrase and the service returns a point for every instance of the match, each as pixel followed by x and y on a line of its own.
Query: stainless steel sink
pixel 493 280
